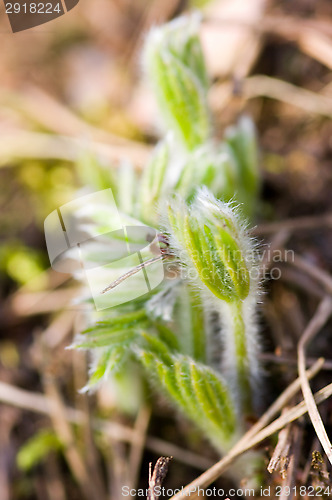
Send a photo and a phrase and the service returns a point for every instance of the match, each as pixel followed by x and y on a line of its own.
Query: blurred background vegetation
pixel 71 94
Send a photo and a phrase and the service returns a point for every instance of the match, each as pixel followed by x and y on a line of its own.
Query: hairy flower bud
pixel 210 238
pixel 175 66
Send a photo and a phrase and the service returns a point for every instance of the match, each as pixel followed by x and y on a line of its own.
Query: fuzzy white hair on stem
pixel 218 256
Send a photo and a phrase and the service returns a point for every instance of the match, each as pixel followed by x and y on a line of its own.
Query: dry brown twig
pixel 288 26
pixel 83 402
pixel 317 273
pixel 280 456
pixel 59 329
pixel 312 36
pixel 277 243
pixel 31 303
pixel 322 314
pixel 288 490
pixel 273 88
pixel 288 360
pixel 257 433
pixel 39 403
pixel 157 477
pixel 316 45
pixel 302 281
pixel 283 399
pixel 294 225
pixel 23 145
pixel 65 433
pixel 247 442
pixel 47 111
pixel 138 445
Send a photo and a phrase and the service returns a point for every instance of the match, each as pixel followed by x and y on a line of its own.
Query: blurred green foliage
pixel 36 449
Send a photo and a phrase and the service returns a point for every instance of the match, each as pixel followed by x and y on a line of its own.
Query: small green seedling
pixel 194 338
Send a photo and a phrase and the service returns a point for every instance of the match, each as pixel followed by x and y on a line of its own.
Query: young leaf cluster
pixel 194 337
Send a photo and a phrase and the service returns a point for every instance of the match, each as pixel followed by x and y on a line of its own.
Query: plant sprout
pixel 210 283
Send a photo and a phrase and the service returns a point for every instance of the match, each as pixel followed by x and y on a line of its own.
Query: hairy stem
pixel 239 337
pixel 241 354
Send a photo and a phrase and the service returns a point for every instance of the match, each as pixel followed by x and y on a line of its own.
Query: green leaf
pixel 157 347
pixel 175 66
pixel 105 338
pixel 130 319
pixel 152 183
pixel 210 166
pixel 189 320
pixel 220 395
pixel 110 360
pixel 188 404
pixel 37 448
pixel 197 325
pixel 167 336
pixel 197 391
pixel 116 330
